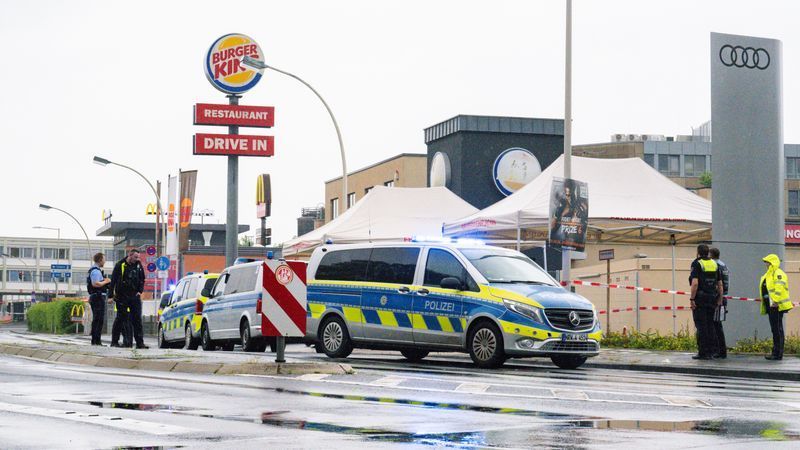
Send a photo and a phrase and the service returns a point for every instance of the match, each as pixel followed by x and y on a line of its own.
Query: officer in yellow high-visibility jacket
pixel 774 291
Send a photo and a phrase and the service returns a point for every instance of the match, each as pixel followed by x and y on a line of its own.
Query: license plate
pixel 573 337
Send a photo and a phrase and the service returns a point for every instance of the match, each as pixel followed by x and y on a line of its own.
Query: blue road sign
pixel 60 266
pixel 151 267
pixel 162 263
pixel 68 275
pixel 57 274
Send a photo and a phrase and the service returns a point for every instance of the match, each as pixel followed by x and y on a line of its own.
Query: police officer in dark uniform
pixel 127 284
pixel 722 311
pixel 706 296
pixel 97 284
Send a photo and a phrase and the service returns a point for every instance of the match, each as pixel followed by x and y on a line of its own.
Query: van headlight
pixel 531 312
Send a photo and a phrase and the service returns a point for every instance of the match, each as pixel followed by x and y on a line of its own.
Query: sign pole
pixel 608 297
pixel 565 256
pixel 232 219
pixel 281 348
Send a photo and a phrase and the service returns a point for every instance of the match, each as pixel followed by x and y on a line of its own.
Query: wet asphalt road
pixel 389 403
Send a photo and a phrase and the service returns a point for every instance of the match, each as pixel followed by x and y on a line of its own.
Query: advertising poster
pixel 188 184
pixel 569 214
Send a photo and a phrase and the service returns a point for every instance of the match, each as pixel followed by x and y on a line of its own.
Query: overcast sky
pixel 119 79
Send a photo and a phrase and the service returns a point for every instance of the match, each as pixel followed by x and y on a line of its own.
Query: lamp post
pixel 565 256
pixel 58 250
pixel 104 162
pixel 251 62
pixel 88 244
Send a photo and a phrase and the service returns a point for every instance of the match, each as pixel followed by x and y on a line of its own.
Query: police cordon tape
pixel 646 289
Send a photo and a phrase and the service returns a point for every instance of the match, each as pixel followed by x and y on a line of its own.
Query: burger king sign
pixel 223 65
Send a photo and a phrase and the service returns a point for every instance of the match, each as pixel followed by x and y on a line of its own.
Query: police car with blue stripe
pixel 419 297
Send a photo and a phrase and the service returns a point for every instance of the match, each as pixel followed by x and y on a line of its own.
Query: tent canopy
pixel 387 214
pixel 629 201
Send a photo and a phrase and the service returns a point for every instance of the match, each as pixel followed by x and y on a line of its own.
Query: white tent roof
pixel 628 199
pixel 387 214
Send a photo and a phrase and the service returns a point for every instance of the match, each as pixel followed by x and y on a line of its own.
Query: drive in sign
pixel 233 144
pixel 239 115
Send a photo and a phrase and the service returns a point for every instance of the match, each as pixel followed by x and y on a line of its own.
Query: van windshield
pixel 499 265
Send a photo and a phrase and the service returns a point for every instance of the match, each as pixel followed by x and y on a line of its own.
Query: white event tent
pixel 387 214
pixel 629 201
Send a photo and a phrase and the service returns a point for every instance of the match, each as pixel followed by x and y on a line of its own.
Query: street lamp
pixel 58 250
pixel 252 62
pixel 88 244
pixel 104 162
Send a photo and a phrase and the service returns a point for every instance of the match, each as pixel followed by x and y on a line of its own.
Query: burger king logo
pixel 224 68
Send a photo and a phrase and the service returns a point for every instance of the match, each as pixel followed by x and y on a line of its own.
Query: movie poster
pixel 569 214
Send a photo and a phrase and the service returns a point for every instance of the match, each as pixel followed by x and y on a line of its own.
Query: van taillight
pixel 258 304
pixel 198 307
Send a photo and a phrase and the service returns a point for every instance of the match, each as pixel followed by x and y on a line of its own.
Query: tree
pixel 245 241
pixel 705 179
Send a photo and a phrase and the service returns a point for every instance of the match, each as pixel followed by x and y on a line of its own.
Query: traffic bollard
pixel 281 344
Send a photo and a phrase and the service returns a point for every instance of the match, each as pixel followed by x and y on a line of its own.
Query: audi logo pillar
pixel 747 165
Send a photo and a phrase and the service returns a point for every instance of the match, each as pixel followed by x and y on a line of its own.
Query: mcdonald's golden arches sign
pixel 263 196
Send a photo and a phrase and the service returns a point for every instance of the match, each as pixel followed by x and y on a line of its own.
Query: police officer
pixel 774 290
pixel 722 311
pixel 706 296
pixel 127 284
pixel 97 285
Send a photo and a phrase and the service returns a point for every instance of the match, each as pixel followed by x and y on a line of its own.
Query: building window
pixel 17 276
pixel 794 202
pixel 650 159
pixel 334 208
pixel 389 183
pixel 669 165
pixel 366 191
pixel 694 165
pixel 54 253
pixel 351 199
pixel 47 277
pixel 793 168
pixel 22 252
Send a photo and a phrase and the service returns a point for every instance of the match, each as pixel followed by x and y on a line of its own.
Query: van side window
pixel 191 290
pixel 241 280
pixel 177 294
pixel 219 288
pixel 442 264
pixel 392 265
pixel 344 265
pixel 209 284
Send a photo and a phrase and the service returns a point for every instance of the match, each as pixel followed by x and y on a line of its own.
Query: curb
pixel 165 365
pixel 722 372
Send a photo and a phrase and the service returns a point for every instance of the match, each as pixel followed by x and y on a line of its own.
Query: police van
pixel 181 312
pixel 418 297
pixel 232 314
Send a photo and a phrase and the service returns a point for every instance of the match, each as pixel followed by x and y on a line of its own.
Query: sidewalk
pixel 736 365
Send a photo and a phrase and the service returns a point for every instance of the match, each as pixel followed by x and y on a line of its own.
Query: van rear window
pixel 393 265
pixel 344 265
pixel 242 280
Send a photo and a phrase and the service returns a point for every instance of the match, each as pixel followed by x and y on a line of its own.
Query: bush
pixel 685 341
pixel 53 317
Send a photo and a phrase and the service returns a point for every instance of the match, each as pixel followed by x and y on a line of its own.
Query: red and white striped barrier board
pixel 283 304
pixel 647 289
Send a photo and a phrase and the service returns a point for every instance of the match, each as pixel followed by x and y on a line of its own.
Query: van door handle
pixel 423 291
pixel 404 290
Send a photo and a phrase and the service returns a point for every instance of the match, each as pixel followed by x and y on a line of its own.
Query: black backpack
pixel 90 287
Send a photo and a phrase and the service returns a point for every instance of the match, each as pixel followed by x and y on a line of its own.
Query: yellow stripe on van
pixel 387 318
pixel 444 322
pixel 316 309
pixel 417 322
pixel 353 314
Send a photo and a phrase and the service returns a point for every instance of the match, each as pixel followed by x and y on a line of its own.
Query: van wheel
pixel 568 361
pixel 486 346
pixel 249 343
pixel 335 339
pixel 205 339
pixel 162 338
pixel 189 343
pixel 413 355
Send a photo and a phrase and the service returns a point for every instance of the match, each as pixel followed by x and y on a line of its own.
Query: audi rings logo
pixel 749 57
pixel 574 318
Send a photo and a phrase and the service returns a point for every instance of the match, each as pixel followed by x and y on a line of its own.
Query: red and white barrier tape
pixel 645 289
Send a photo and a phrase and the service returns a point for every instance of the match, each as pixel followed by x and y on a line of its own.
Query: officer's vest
pixel 707 283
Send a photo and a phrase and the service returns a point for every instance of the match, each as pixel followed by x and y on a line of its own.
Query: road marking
pixel 568 394
pixel 97 419
pixel 685 401
pixel 313 376
pixel 473 388
pixel 390 381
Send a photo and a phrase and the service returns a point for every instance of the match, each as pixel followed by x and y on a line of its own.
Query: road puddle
pixel 131 406
pixel 724 427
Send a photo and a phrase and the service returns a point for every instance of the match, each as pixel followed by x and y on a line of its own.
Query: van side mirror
pixel 206 292
pixel 451 283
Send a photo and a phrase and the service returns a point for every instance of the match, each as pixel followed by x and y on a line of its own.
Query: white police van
pixel 419 297
pixel 232 313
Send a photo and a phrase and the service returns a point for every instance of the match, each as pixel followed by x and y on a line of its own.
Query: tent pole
pixel 518 233
pixel 544 252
